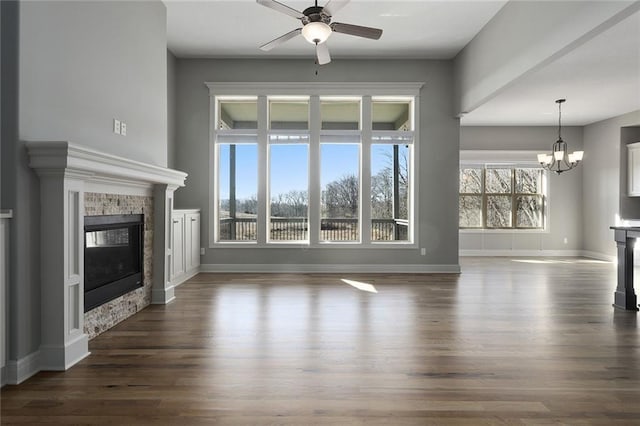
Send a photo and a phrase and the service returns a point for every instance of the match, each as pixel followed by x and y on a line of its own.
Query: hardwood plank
pixel 507 342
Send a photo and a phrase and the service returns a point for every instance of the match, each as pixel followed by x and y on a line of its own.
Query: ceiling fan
pixel 317 26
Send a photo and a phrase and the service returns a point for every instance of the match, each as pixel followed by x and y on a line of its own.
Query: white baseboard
pixel 184 277
pixel 600 256
pixel 63 357
pixel 521 253
pixel 538 253
pixel 163 296
pixel 20 370
pixel 333 268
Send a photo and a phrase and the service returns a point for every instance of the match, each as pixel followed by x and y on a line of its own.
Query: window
pixel 390 114
pixel 237 200
pixel 340 114
pixel 238 113
pixel 314 170
pixel 288 183
pixel 236 165
pixel 501 197
pixel 340 183
pixel 390 189
pixel 289 114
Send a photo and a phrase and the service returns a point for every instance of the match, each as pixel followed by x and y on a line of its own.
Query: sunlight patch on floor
pixel 361 286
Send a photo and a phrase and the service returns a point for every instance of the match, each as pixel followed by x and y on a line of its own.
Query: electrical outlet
pixel 423 251
pixel 201 251
pixel 123 128
pixel 116 126
pixel 566 240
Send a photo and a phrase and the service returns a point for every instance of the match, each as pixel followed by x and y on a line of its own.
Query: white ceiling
pixel 600 79
pixel 412 29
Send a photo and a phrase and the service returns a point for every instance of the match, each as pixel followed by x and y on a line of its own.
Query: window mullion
pixel 485 208
pixel 365 170
pixel 513 199
pixel 263 220
pixel 213 173
pixel 315 204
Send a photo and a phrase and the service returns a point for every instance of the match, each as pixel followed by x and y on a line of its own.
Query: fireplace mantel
pixel 55 157
pixel 66 172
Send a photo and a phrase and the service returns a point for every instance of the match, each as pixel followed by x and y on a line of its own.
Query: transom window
pixel 501 197
pixel 295 169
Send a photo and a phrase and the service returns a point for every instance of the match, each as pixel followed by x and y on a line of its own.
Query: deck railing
pixel 297 228
pixel 288 229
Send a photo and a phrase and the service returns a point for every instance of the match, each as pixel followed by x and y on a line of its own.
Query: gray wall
pixel 171 110
pixel 9 99
pixel 602 181
pixel 82 64
pixel 629 206
pixel 437 164
pixel 71 68
pixel 565 190
pixel 20 193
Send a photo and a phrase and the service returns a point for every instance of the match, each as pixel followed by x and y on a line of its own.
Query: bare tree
pixel 382 188
pixel 382 194
pixel 340 198
pixel 290 204
pixel 248 205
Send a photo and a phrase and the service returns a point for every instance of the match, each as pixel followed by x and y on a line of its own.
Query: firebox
pixel 113 250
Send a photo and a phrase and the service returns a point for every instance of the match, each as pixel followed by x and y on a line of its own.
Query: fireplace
pixel 77 182
pixel 113 257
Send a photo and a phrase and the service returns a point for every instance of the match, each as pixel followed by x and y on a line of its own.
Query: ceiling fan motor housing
pixel 315 14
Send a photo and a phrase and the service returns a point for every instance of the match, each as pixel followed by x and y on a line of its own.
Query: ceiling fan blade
pixel 278 41
pixel 283 8
pixel 322 53
pixel 357 30
pixel 333 6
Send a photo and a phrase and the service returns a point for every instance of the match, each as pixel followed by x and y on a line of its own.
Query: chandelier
pixel 559 160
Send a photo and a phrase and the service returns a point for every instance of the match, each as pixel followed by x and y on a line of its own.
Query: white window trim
pixel 510 159
pixel 314 90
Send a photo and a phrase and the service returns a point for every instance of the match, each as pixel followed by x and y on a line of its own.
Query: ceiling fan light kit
pixel 316 32
pixel 317 26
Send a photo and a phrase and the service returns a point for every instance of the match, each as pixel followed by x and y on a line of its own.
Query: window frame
pixel 316 92
pixel 470 159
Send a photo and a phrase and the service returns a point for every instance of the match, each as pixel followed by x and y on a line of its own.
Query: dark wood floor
pixel 529 342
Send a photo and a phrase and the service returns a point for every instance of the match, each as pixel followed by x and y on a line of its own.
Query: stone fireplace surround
pixel 70 177
pixel 105 316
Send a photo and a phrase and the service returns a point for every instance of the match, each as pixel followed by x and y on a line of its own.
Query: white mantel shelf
pixel 52 157
pixel 67 171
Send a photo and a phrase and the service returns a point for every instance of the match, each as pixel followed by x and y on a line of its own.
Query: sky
pixel 289 166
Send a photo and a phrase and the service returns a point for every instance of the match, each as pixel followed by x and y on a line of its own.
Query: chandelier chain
pixel 559 120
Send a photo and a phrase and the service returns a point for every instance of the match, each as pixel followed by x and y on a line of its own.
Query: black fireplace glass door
pixel 112 257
